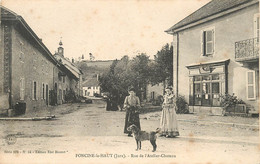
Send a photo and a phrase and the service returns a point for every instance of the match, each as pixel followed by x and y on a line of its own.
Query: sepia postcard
pixel 129 81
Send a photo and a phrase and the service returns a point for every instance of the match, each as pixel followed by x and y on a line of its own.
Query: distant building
pixel 154 91
pixel 216 51
pixel 91 87
pixel 72 80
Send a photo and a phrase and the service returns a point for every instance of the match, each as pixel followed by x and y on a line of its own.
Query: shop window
pixel 205 90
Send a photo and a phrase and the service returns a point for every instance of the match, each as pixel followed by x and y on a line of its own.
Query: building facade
pixel 216 51
pixel 91 87
pixel 154 91
pixel 29 73
pixel 71 80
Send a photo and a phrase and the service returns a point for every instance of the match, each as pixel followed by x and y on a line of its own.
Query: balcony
pixel 247 50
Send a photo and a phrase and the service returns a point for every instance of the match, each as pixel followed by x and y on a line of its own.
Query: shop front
pixel 207 82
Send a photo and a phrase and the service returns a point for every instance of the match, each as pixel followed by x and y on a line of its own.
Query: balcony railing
pixel 247 49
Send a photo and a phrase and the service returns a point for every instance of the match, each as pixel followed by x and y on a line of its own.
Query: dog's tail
pixel 158 130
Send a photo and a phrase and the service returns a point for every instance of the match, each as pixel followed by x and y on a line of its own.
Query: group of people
pixel 168 121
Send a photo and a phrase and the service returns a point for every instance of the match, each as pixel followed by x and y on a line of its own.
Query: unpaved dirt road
pixel 84 133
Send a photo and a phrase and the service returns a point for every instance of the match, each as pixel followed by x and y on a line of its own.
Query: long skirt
pixel 168 122
pixel 131 118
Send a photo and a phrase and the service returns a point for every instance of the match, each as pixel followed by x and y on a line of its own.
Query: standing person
pixel 168 122
pixel 132 106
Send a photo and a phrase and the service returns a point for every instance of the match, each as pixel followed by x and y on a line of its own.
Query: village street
pixel 88 133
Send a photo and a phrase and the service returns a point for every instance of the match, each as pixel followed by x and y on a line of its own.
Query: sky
pixel 109 29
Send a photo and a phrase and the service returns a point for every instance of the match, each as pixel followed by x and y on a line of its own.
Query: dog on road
pixel 143 135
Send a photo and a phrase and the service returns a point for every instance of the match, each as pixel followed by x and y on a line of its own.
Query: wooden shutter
pixel 202 43
pixel 250 85
pixel 209 42
pixel 32 90
pixel 37 91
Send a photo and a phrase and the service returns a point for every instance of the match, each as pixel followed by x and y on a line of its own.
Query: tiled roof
pixel 92 82
pixel 211 8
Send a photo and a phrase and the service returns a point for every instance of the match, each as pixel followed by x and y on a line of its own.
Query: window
pixel 43 91
pixel 60 94
pixel 207 42
pixel 64 93
pixel 250 85
pixel 152 95
pixel 63 79
pixel 47 94
pixel 34 94
pixel 22 86
pixel 205 90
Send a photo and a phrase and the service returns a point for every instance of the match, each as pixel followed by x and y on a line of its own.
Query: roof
pixel 210 9
pixel 224 61
pixel 68 65
pixel 92 82
pixel 8 15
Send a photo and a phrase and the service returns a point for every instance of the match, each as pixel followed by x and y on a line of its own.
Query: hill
pixel 90 69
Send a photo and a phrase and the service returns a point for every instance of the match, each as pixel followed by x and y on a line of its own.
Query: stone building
pixel 29 73
pixel 71 80
pixel 216 51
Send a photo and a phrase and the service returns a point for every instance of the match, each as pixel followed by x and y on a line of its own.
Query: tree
pixel 162 66
pixel 125 73
pixel 140 66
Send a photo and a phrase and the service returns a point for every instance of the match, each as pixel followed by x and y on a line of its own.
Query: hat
pixel 131 89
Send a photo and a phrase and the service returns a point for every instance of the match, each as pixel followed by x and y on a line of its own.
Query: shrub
pixel 182 105
pixel 70 96
pixel 230 101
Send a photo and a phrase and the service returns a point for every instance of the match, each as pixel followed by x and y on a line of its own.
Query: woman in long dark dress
pixel 132 106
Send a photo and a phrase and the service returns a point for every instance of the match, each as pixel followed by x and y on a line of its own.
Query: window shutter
pixel 37 91
pixel 202 43
pixel 213 39
pixel 32 90
pixel 209 42
pixel 250 85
